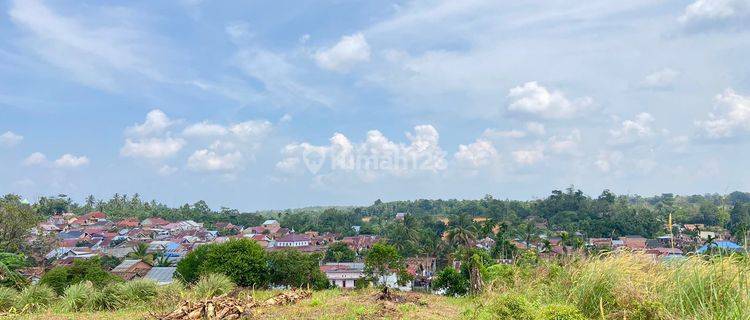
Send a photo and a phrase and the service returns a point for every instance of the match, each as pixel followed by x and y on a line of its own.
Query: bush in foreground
pixel 211 285
pixel 35 297
pixel 78 297
pixel 8 298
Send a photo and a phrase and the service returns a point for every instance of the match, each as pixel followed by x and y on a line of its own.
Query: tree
pixel 140 252
pixel 451 281
pixel 296 269
pixel 59 278
pixel 16 220
pixel 9 265
pixel 382 260
pixel 340 252
pixel 243 260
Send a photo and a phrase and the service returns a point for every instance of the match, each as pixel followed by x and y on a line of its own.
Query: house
pixel 361 242
pixel 169 248
pixel 487 243
pixel 601 243
pixel 161 275
pixel 273 226
pixel 131 269
pixel 400 216
pixel 292 240
pixel 154 222
pixel 261 239
pixel 694 227
pixel 634 242
pixel 344 274
pixel 128 223
pixel 721 246
pixel 705 234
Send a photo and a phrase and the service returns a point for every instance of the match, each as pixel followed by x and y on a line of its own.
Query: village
pixel 128 241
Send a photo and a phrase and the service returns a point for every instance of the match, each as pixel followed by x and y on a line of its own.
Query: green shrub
pixel 502 274
pixel 8 298
pixel 513 307
pixel 243 260
pixel 35 297
pixel 60 278
pixel 560 312
pixel 110 297
pixel 213 284
pixel 296 269
pixel 168 296
pixel 452 281
pixel 137 291
pixel 77 297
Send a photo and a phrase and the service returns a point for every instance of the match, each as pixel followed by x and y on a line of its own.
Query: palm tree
pixel 140 251
pixel 460 235
pixel 710 244
pixel 161 260
pixel 564 240
pixel 547 247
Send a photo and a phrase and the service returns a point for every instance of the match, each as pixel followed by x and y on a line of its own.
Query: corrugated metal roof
pixel 125 265
pixel 162 275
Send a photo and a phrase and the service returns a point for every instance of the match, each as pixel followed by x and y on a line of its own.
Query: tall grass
pixel 8 297
pixel 78 297
pixel 628 286
pixel 139 291
pixel 212 284
pixel 35 297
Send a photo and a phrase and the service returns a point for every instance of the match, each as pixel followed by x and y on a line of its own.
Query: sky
pixel 278 104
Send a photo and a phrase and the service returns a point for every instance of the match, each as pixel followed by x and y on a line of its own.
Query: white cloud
pixel 286 118
pixel 536 100
pixel 206 160
pixel 156 122
pixel 608 161
pixel 252 129
pixel 166 170
pixel 374 157
pixel 71 161
pixel 529 156
pixel 97 52
pixel 477 154
pixel 634 130
pixel 707 10
pixel 152 148
pixel 10 139
pixel 565 144
pixel 349 51
pixel 204 129
pixel 535 128
pixel 661 79
pixel 496 134
pixel 36 158
pixel 731 114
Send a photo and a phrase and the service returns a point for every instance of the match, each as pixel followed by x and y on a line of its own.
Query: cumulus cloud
pixel 166 170
pixel 608 161
pixel 152 148
pixel 156 123
pixel 71 161
pixel 536 100
pixel 565 143
pixel 204 129
pixel 253 129
pixel 634 130
pixel 34 159
pixel 349 51
pixel 529 156
pixel 477 154
pixel 374 157
pixel 499 134
pixel 661 79
pixel 535 128
pixel 207 160
pixel 731 115
pixel 10 139
pixel 714 10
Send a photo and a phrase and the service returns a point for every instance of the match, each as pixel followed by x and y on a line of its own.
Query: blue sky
pixel 296 103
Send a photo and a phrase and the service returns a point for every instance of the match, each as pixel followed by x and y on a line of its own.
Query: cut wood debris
pixel 228 307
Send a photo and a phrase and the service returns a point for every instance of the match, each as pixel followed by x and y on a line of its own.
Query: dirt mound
pixel 228 307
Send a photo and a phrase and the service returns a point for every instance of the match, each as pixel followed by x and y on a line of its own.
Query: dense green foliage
pixel 296 269
pixel 340 252
pixel 16 221
pixel 452 281
pixel 91 270
pixel 381 260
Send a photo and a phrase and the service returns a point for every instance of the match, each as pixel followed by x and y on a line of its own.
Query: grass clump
pixel 110 297
pixel 8 297
pixel 212 284
pixel 139 291
pixel 560 312
pixel 513 306
pixel 35 297
pixel 78 297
